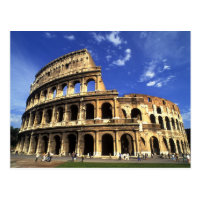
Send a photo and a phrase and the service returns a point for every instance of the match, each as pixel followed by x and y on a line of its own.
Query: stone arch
pixel 74 112
pixel 165 144
pixel 178 147
pixel 177 125
pixel 77 87
pixel 106 110
pixel 173 123
pixel 44 144
pixel 90 85
pixel 160 119
pixel 35 144
pixel 71 143
pixel 167 123
pixel 89 111
pixel 142 144
pixel 172 145
pixel 48 115
pixel 154 144
pixel 64 89
pixel 152 119
pixel 127 144
pixel 60 114
pixel 88 144
pixel 45 95
pixel 53 92
pixel 124 113
pixel 159 110
pixel 107 144
pixel 57 145
pixel 136 113
pixel 39 117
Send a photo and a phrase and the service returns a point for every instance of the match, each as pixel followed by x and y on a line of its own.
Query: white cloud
pixel 122 61
pixel 159 84
pixel 69 37
pixel 108 57
pixel 49 35
pixel 186 116
pixel 98 37
pixel 166 67
pixel 15 119
pixel 114 38
pixel 151 83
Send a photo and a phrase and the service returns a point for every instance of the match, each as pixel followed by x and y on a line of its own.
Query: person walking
pixel 82 158
pixel 139 159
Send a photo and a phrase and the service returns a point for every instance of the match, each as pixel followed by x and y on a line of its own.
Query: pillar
pixel 137 143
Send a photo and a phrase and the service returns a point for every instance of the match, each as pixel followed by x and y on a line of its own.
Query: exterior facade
pixel 64 115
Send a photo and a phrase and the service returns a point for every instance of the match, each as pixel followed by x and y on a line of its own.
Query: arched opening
pixel 106 111
pixel 39 117
pixel 64 89
pixel 158 110
pixel 45 140
pixel 161 122
pixel 77 87
pixel 32 118
pixel 54 92
pixel 142 144
pixel 182 146
pixel 60 114
pixel 89 111
pixel 135 113
pixel 90 85
pixel 88 144
pixel 173 123
pixel 35 144
pixel 45 95
pixel 72 143
pixel 57 144
pixel 165 143
pixel 124 113
pixel 127 144
pixel 74 112
pixel 177 125
pixel 167 123
pixel 178 146
pixel 154 145
pixel 153 119
pixel 48 116
pixel 149 99
pixel 172 145
pixel 107 144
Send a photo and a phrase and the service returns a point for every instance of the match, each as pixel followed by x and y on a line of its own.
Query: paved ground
pixel 28 161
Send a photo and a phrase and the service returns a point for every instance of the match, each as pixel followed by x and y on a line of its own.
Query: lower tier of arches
pixel 108 143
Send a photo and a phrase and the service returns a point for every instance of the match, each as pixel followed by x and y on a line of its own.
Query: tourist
pixel 37 156
pixel 44 157
pixel 75 155
pixel 146 155
pixel 120 156
pixel 139 159
pixel 188 158
pixel 82 158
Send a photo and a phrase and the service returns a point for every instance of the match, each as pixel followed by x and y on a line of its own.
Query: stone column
pixel 53 115
pixel 137 143
pixel 118 143
pixel 78 143
pixel 83 86
pixel 25 144
pixel 97 114
pixel 97 83
pixel 39 144
pixel 116 113
pixel 50 143
pixel 30 150
pixel 97 152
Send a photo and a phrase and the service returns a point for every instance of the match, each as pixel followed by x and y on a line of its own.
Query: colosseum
pixel 64 115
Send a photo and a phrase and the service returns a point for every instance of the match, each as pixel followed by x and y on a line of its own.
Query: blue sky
pixel 154 63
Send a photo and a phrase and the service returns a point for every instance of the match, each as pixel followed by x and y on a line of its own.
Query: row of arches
pixel 62 90
pixel 178 126
pixel 54 145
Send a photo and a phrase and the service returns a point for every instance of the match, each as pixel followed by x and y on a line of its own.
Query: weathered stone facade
pixel 60 121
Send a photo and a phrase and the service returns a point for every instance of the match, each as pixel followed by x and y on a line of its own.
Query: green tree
pixel 13 136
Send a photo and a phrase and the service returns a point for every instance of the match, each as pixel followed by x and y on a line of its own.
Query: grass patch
pixel 121 165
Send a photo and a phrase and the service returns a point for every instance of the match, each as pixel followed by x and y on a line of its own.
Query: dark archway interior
pixel 124 113
pixel 165 142
pixel 72 143
pixel 167 123
pixel 153 119
pixel 89 144
pixel 58 144
pixel 173 124
pixel 106 111
pixel 107 144
pixel 60 115
pixel 89 111
pixel 74 112
pixel 135 113
pixel 29 138
pixel 127 144
pixel 36 144
pixel 158 110
pixel 172 145
pixel 154 146
pixel 178 146
pixel 161 122
pixel 45 143
pixel 49 116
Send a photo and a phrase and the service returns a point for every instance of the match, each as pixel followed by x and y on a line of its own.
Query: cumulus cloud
pixel 98 37
pixel 151 83
pixel 166 67
pixel 69 37
pixel 114 38
pixel 49 35
pixel 122 61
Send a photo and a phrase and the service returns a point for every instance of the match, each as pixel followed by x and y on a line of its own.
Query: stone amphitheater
pixel 64 115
